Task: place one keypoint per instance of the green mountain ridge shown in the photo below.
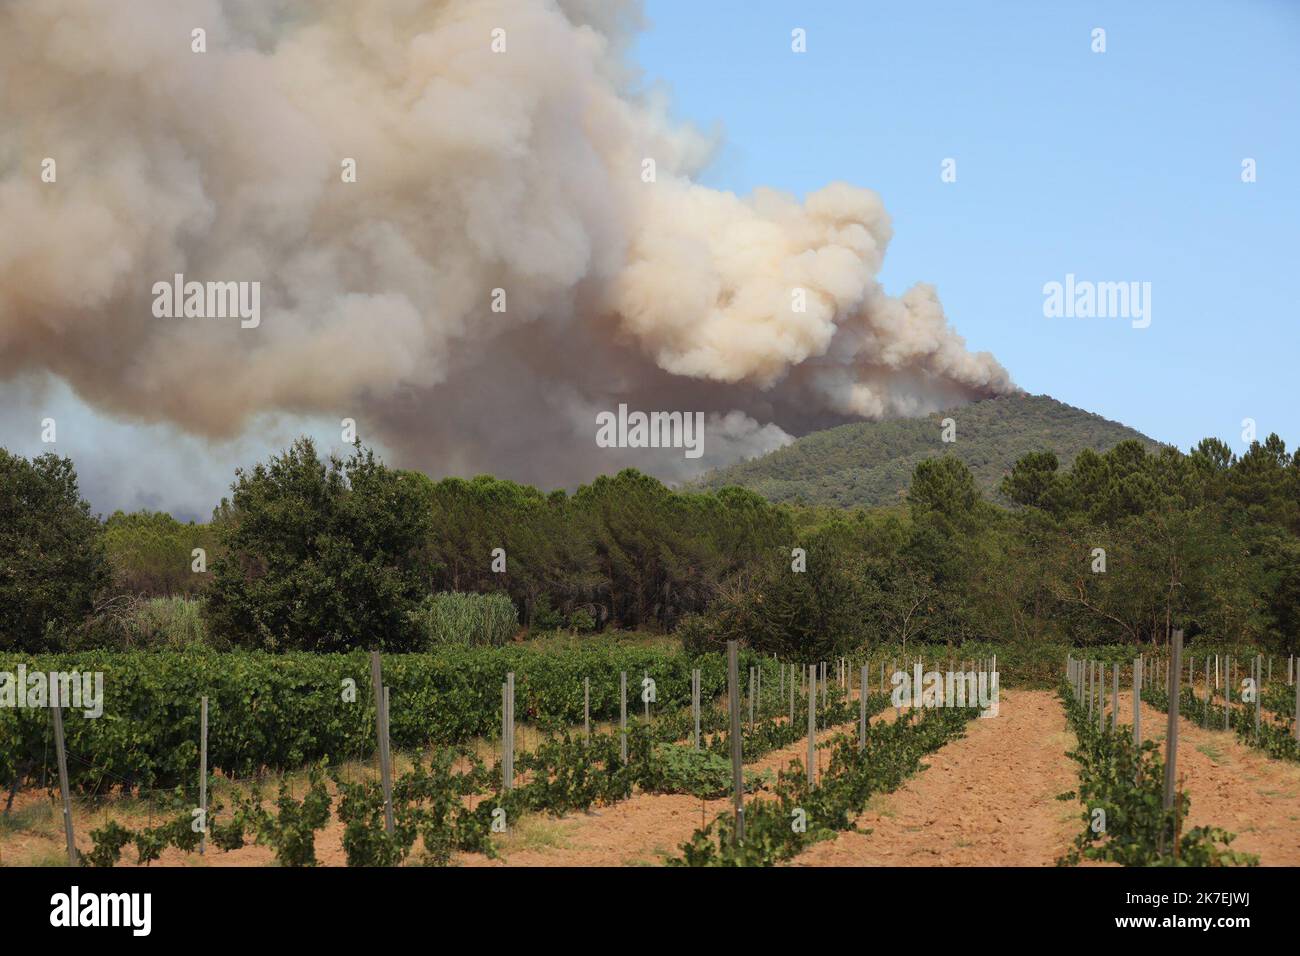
(871, 463)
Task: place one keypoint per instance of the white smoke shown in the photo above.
(477, 170)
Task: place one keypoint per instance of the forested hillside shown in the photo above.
(871, 463)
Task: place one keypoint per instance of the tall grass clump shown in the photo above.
(173, 623)
(131, 622)
(466, 620)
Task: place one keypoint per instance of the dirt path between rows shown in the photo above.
(644, 830)
(986, 799)
(1233, 786)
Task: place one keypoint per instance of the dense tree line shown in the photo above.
(333, 553)
(316, 553)
(1123, 546)
(151, 554)
(1208, 541)
(52, 558)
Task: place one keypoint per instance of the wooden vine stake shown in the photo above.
(1205, 716)
(1101, 699)
(1227, 697)
(381, 732)
(1100, 690)
(791, 693)
(56, 709)
(1259, 692)
(508, 754)
(622, 715)
(737, 744)
(1114, 701)
(812, 728)
(1295, 728)
(862, 711)
(1171, 734)
(1092, 671)
(203, 772)
(1137, 701)
(1178, 823)
(695, 705)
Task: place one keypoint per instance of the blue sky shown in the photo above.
(1115, 166)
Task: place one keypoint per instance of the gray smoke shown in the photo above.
(522, 171)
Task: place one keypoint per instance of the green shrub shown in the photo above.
(320, 555)
(546, 617)
(811, 615)
(466, 620)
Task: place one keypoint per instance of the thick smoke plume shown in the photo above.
(477, 170)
